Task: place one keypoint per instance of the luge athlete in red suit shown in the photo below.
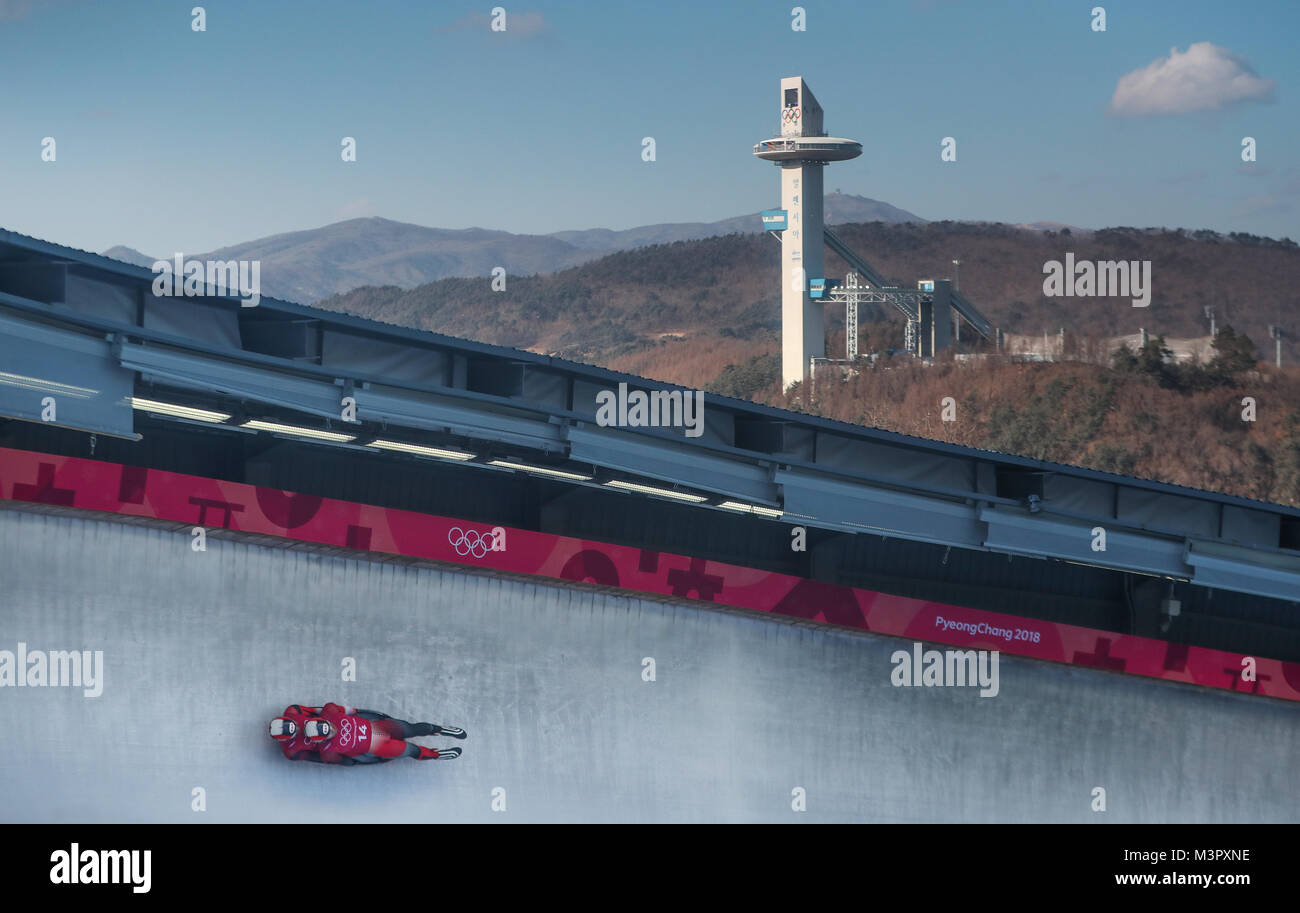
(337, 734)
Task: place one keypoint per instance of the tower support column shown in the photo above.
(803, 322)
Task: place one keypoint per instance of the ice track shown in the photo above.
(201, 649)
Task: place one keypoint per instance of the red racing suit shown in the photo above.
(299, 714)
(361, 737)
(352, 734)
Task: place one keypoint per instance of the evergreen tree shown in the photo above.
(1233, 352)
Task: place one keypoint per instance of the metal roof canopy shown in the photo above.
(823, 472)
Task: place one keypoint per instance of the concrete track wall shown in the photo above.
(201, 649)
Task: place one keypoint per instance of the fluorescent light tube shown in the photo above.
(199, 415)
(299, 432)
(750, 508)
(651, 490)
(541, 470)
(421, 450)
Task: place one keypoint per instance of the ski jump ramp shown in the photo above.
(202, 648)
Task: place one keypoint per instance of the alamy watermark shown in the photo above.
(946, 668)
(653, 409)
(1103, 279)
(179, 277)
(55, 669)
(77, 866)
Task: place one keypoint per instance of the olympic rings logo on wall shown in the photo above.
(468, 542)
(790, 115)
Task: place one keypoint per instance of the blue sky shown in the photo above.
(170, 139)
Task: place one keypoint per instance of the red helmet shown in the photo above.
(283, 729)
(317, 730)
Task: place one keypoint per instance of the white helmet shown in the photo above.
(283, 729)
(317, 730)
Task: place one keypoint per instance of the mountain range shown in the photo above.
(705, 312)
(306, 266)
(718, 300)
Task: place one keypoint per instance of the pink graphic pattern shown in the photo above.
(109, 487)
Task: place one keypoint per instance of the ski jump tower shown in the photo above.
(801, 152)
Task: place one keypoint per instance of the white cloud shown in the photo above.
(1205, 77)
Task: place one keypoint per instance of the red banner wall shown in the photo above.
(95, 485)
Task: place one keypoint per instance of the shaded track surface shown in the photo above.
(201, 649)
